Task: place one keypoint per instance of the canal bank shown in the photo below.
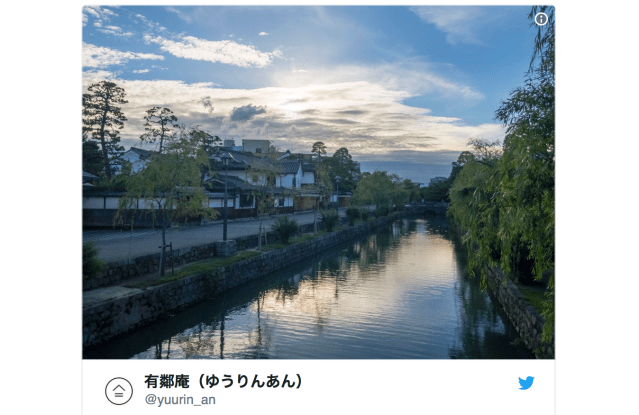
(524, 317)
(129, 309)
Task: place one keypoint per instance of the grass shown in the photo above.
(200, 267)
(214, 265)
(298, 239)
(534, 295)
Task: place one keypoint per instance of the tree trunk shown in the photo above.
(161, 270)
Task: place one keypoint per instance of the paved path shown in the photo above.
(116, 245)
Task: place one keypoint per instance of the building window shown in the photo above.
(246, 201)
(294, 181)
(281, 202)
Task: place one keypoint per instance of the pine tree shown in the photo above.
(102, 118)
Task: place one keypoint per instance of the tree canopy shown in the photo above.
(319, 148)
(382, 190)
(341, 164)
(160, 124)
(102, 119)
(169, 187)
(505, 201)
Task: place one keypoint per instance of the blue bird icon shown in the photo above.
(525, 384)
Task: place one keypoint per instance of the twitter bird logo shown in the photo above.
(525, 384)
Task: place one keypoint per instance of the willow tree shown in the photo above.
(102, 118)
(169, 187)
(505, 201)
(528, 165)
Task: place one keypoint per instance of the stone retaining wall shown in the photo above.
(118, 271)
(115, 317)
(524, 317)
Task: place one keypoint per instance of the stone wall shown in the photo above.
(115, 317)
(522, 315)
(119, 271)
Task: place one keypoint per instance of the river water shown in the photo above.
(399, 293)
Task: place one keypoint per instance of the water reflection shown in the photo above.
(397, 293)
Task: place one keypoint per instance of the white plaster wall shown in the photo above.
(308, 177)
(93, 202)
(112, 203)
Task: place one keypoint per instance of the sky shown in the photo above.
(402, 88)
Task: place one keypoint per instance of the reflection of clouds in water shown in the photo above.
(389, 295)
(351, 291)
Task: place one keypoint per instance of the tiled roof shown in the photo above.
(290, 167)
(140, 152)
(308, 167)
(87, 175)
(216, 185)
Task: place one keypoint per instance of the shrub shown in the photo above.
(330, 218)
(353, 214)
(91, 265)
(364, 214)
(285, 228)
(382, 211)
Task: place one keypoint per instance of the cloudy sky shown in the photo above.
(403, 88)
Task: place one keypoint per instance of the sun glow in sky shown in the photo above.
(403, 88)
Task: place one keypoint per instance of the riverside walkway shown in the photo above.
(117, 245)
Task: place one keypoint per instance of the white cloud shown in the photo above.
(366, 117)
(99, 12)
(263, 34)
(116, 32)
(180, 14)
(91, 11)
(462, 24)
(141, 71)
(93, 76)
(101, 57)
(224, 51)
(413, 78)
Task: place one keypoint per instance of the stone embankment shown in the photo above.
(117, 272)
(523, 316)
(114, 317)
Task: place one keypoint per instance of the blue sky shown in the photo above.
(403, 88)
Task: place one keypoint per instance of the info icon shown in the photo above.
(541, 19)
(118, 391)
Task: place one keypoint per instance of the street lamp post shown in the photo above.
(337, 179)
(226, 158)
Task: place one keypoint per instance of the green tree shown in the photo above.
(160, 124)
(412, 189)
(92, 161)
(505, 205)
(102, 119)
(169, 187)
(341, 164)
(343, 157)
(528, 166)
(319, 148)
(374, 189)
(440, 191)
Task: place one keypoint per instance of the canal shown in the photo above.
(399, 293)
